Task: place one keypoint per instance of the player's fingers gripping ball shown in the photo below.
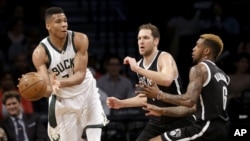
(32, 86)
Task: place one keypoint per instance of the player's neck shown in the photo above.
(147, 60)
(207, 58)
(57, 42)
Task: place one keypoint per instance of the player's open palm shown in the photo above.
(132, 62)
(113, 103)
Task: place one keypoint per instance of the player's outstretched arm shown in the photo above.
(116, 103)
(39, 59)
(167, 69)
(197, 77)
(177, 111)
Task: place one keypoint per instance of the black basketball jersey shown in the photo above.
(212, 103)
(175, 88)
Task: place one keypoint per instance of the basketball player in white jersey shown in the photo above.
(78, 109)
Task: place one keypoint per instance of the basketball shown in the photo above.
(32, 86)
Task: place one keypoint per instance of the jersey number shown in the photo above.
(224, 92)
(65, 76)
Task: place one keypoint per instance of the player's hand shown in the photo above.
(132, 62)
(152, 110)
(55, 86)
(19, 78)
(149, 91)
(54, 83)
(113, 103)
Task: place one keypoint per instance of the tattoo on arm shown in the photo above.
(196, 80)
(178, 111)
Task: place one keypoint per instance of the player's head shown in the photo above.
(208, 46)
(11, 100)
(148, 38)
(56, 22)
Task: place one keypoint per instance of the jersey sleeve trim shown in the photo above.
(49, 55)
(208, 76)
(73, 43)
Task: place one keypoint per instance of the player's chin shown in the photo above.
(63, 34)
(141, 52)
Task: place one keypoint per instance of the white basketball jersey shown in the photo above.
(62, 63)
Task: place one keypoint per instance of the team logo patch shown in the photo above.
(176, 133)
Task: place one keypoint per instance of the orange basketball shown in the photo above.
(32, 86)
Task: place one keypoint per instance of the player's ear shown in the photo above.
(207, 51)
(156, 41)
(47, 26)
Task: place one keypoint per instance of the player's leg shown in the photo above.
(93, 116)
(151, 130)
(200, 131)
(70, 127)
(68, 113)
(95, 119)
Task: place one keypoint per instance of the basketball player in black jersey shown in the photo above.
(157, 66)
(206, 97)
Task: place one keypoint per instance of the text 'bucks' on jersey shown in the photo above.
(62, 63)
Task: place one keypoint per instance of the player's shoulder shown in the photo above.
(40, 47)
(79, 35)
(80, 40)
(205, 64)
(200, 68)
(166, 55)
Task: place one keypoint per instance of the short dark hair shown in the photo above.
(51, 11)
(154, 29)
(10, 94)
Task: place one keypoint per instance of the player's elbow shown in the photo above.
(167, 82)
(80, 80)
(190, 103)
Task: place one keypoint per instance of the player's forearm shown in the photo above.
(73, 80)
(48, 79)
(180, 100)
(156, 77)
(133, 102)
(179, 111)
